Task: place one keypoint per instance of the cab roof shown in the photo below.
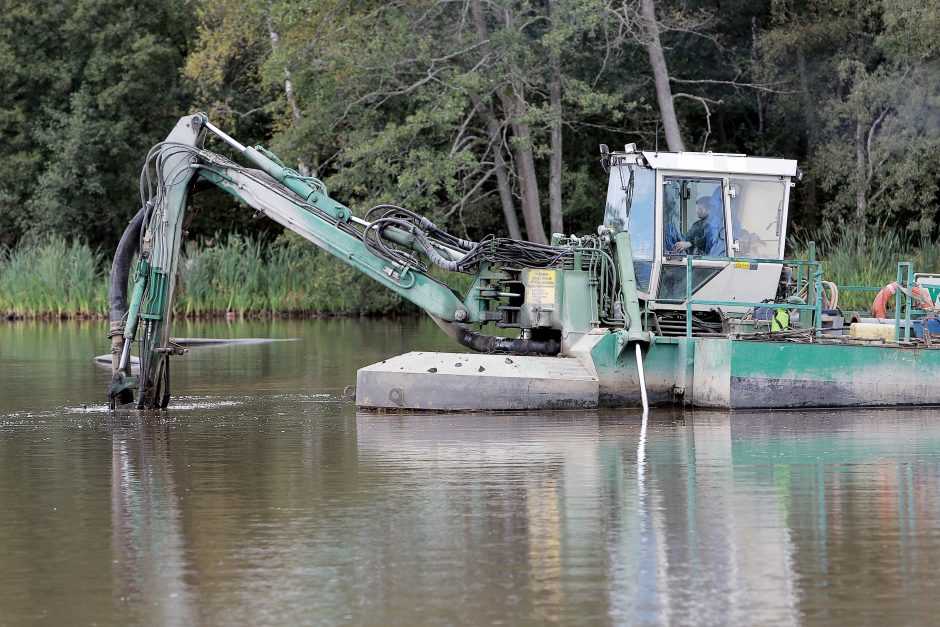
(718, 163)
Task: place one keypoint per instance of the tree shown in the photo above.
(866, 100)
(93, 85)
(484, 115)
(450, 108)
(660, 76)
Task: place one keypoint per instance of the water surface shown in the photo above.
(262, 497)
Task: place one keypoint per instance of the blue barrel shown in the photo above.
(933, 326)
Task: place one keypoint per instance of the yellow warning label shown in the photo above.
(541, 287)
(745, 265)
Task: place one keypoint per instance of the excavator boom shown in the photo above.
(395, 249)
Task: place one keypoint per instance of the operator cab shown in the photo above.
(721, 206)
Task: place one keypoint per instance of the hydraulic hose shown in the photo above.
(483, 343)
(117, 286)
(121, 268)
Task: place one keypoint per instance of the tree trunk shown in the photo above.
(503, 183)
(515, 108)
(554, 161)
(861, 181)
(493, 130)
(525, 168)
(505, 192)
(661, 77)
(810, 125)
(302, 166)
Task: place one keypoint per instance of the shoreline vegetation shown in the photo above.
(246, 278)
(232, 277)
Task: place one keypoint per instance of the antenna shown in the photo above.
(657, 138)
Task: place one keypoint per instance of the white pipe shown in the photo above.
(225, 137)
(641, 460)
(641, 446)
(639, 369)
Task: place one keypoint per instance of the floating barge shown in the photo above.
(683, 296)
(719, 372)
(707, 319)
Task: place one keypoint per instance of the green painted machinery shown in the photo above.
(660, 304)
(549, 293)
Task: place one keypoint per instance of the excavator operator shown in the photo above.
(697, 236)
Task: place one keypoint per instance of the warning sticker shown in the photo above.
(745, 265)
(934, 292)
(541, 289)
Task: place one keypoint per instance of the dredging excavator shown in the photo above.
(661, 305)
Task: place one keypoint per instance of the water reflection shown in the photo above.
(147, 543)
(736, 524)
(268, 499)
(590, 538)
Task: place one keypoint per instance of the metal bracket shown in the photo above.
(626, 337)
(172, 349)
(397, 396)
(120, 391)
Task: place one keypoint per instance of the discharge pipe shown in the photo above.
(631, 303)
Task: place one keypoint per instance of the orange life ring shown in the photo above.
(880, 306)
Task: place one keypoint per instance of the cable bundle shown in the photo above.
(526, 254)
(490, 249)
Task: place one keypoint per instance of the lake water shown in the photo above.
(262, 497)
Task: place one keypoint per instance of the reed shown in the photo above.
(52, 278)
(221, 279)
(848, 260)
(246, 277)
(241, 276)
(234, 275)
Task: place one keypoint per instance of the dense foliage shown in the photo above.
(484, 114)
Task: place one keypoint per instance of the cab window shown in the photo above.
(631, 201)
(694, 217)
(757, 217)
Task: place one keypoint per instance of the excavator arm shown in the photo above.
(395, 248)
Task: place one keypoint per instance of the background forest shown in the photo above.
(485, 115)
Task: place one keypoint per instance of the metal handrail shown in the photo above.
(858, 288)
(816, 307)
(904, 279)
(907, 302)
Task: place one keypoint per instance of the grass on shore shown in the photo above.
(874, 263)
(52, 278)
(55, 278)
(290, 276)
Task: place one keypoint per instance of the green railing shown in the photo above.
(814, 296)
(814, 299)
(815, 306)
(907, 302)
(906, 282)
(857, 288)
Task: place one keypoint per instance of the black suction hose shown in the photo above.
(483, 343)
(121, 267)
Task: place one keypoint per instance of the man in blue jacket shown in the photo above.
(697, 238)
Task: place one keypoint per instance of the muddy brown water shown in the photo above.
(262, 497)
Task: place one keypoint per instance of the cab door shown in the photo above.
(695, 221)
